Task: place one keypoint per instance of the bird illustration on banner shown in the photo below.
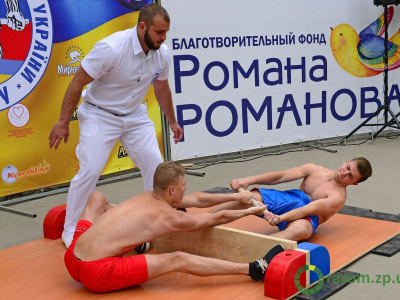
(362, 55)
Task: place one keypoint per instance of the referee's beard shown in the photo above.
(149, 42)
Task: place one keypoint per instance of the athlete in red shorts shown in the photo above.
(105, 234)
(106, 274)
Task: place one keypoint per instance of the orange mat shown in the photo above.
(36, 270)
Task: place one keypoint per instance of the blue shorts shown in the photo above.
(280, 202)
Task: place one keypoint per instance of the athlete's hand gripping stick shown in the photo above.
(255, 203)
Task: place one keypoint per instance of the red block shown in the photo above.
(279, 282)
(53, 224)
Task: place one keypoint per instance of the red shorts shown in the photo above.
(107, 274)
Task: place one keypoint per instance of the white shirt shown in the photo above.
(122, 71)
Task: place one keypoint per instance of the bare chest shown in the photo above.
(318, 188)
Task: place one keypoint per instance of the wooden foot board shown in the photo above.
(221, 242)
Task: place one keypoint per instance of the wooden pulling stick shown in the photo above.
(255, 203)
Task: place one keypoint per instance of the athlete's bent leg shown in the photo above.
(95, 206)
(297, 230)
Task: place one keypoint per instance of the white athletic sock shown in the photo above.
(67, 238)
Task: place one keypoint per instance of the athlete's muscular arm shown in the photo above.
(320, 207)
(72, 95)
(163, 94)
(201, 199)
(188, 222)
(15, 19)
(276, 177)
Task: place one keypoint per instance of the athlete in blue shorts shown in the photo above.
(280, 202)
(321, 194)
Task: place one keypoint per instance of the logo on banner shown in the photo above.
(74, 116)
(26, 44)
(122, 152)
(18, 115)
(362, 55)
(73, 56)
(10, 173)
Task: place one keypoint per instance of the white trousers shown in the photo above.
(99, 131)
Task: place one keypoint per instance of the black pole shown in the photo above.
(386, 62)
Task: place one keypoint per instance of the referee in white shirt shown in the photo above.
(118, 72)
